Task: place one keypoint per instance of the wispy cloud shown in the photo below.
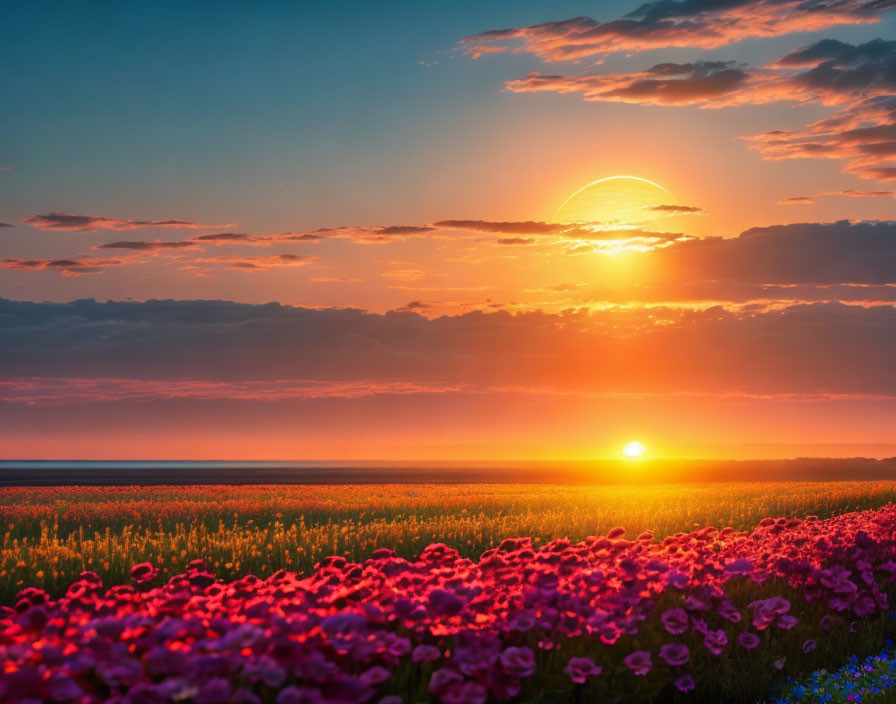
(668, 23)
(83, 223)
(258, 263)
(849, 193)
(67, 267)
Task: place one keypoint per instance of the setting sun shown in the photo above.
(616, 201)
(633, 449)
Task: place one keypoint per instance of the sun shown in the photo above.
(633, 449)
(616, 201)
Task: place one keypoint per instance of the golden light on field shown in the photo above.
(616, 201)
(633, 449)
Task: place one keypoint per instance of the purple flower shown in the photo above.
(518, 662)
(425, 653)
(580, 669)
(638, 662)
(675, 621)
(809, 646)
(685, 683)
(674, 654)
(786, 622)
(739, 566)
(715, 641)
(748, 640)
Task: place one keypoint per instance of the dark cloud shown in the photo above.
(667, 23)
(515, 240)
(664, 84)
(71, 221)
(67, 267)
(6, 224)
(673, 209)
(810, 253)
(797, 349)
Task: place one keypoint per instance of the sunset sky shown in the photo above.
(350, 230)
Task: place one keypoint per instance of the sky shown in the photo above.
(348, 230)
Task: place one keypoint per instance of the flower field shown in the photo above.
(661, 610)
(52, 534)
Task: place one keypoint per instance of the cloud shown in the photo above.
(808, 253)
(258, 263)
(54, 391)
(6, 224)
(687, 23)
(603, 351)
(148, 246)
(675, 209)
(703, 82)
(859, 79)
(67, 267)
(797, 200)
(863, 134)
(516, 240)
(849, 193)
(81, 223)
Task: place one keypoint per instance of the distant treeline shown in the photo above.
(593, 472)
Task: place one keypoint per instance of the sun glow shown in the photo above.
(633, 449)
(615, 201)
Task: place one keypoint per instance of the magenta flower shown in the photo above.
(674, 654)
(580, 669)
(638, 662)
(715, 641)
(685, 683)
(675, 621)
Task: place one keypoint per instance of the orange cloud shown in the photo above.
(689, 23)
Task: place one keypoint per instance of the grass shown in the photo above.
(51, 534)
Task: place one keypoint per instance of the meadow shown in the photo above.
(452, 593)
(52, 534)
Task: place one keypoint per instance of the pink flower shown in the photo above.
(638, 662)
(674, 654)
(144, 572)
(580, 669)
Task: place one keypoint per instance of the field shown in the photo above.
(413, 592)
(52, 534)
